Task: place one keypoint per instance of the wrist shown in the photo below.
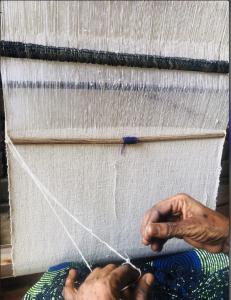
(225, 228)
(226, 245)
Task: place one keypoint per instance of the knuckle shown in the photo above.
(183, 199)
(96, 270)
(100, 285)
(112, 281)
(113, 265)
(154, 231)
(146, 215)
(150, 230)
(171, 229)
(183, 196)
(112, 277)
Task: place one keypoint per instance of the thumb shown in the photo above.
(71, 279)
(144, 286)
(168, 230)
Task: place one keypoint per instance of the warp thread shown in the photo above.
(47, 195)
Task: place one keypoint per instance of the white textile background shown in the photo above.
(194, 29)
(107, 190)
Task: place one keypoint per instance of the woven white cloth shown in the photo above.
(108, 189)
(194, 29)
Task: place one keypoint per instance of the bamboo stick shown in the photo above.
(136, 140)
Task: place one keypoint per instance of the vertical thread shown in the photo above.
(46, 193)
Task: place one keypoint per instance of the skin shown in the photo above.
(179, 216)
(183, 217)
(106, 284)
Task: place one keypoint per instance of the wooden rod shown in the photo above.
(124, 140)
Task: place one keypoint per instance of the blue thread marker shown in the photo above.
(130, 140)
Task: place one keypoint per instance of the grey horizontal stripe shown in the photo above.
(106, 86)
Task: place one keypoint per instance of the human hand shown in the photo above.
(183, 217)
(106, 284)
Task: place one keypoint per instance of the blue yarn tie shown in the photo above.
(129, 140)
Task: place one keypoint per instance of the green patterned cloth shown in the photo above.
(191, 275)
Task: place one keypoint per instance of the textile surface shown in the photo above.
(194, 29)
(192, 275)
(109, 188)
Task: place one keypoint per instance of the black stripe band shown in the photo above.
(33, 51)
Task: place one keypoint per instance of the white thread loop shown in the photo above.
(47, 195)
(42, 189)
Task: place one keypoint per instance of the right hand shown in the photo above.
(108, 283)
(183, 217)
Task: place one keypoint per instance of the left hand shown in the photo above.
(183, 217)
(106, 284)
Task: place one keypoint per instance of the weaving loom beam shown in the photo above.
(135, 140)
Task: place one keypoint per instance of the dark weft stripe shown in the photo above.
(34, 51)
(107, 86)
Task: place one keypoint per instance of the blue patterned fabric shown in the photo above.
(192, 275)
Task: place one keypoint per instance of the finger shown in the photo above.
(157, 244)
(144, 221)
(164, 230)
(183, 229)
(94, 274)
(124, 276)
(152, 215)
(144, 286)
(108, 269)
(171, 205)
(145, 242)
(127, 294)
(72, 275)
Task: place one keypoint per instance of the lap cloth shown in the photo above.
(191, 275)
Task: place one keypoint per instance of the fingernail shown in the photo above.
(149, 279)
(131, 267)
(150, 231)
(147, 232)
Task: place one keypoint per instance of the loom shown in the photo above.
(81, 78)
